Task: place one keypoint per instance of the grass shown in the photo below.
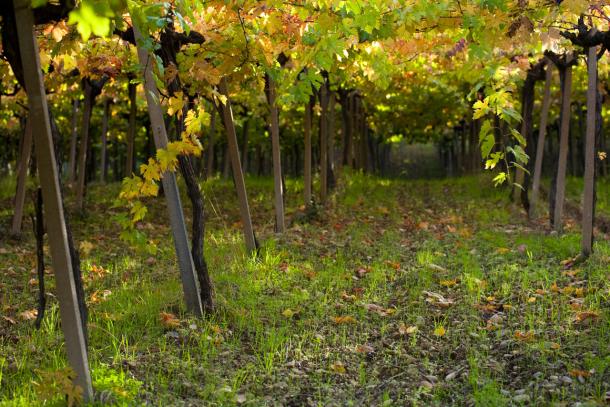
(344, 310)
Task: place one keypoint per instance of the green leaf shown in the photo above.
(519, 153)
(92, 17)
(519, 137)
(500, 178)
(486, 139)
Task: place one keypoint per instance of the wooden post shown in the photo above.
(104, 141)
(84, 145)
(331, 138)
(324, 141)
(73, 142)
(589, 176)
(170, 186)
(276, 155)
(131, 130)
(238, 175)
(210, 153)
(71, 324)
(563, 149)
(22, 177)
(544, 115)
(307, 153)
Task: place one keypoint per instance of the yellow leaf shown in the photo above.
(448, 283)
(28, 314)
(175, 104)
(524, 336)
(338, 368)
(587, 315)
(407, 330)
(576, 7)
(288, 313)
(344, 320)
(439, 331)
(169, 320)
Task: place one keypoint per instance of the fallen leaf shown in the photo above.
(310, 275)
(439, 331)
(347, 297)
(9, 319)
(407, 330)
(338, 368)
(28, 314)
(524, 336)
(437, 299)
(169, 320)
(448, 283)
(423, 225)
(380, 310)
(364, 349)
(344, 320)
(586, 315)
(579, 373)
(288, 313)
(393, 264)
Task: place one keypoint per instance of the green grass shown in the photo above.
(325, 314)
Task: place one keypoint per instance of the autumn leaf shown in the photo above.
(175, 104)
(579, 373)
(439, 331)
(448, 283)
(379, 310)
(364, 349)
(524, 336)
(437, 299)
(393, 264)
(288, 313)
(169, 320)
(423, 225)
(338, 368)
(28, 314)
(310, 275)
(403, 329)
(584, 316)
(347, 297)
(340, 320)
(9, 320)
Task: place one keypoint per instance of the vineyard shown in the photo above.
(304, 203)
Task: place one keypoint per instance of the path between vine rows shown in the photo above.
(395, 293)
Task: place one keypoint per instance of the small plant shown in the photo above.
(57, 383)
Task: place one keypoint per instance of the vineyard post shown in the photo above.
(170, 186)
(72, 327)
